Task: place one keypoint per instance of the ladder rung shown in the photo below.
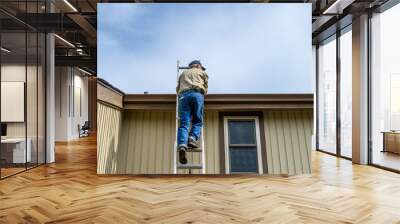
(189, 166)
(194, 150)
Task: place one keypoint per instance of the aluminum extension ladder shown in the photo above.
(201, 150)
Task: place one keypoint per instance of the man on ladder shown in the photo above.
(192, 85)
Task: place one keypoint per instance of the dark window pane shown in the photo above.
(242, 132)
(243, 159)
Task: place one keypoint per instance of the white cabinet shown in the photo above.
(19, 155)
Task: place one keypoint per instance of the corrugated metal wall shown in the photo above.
(147, 140)
(288, 141)
(109, 122)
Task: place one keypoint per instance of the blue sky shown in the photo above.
(246, 48)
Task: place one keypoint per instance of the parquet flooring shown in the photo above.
(70, 191)
(10, 171)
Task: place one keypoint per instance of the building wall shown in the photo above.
(288, 141)
(34, 125)
(92, 103)
(109, 125)
(12, 73)
(108, 95)
(61, 103)
(71, 102)
(146, 142)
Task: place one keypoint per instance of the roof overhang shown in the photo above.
(221, 101)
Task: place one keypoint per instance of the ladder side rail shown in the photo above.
(176, 120)
(203, 149)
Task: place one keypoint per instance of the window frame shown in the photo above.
(333, 37)
(258, 142)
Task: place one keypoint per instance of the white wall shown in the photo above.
(81, 102)
(61, 103)
(16, 73)
(33, 126)
(71, 103)
(12, 99)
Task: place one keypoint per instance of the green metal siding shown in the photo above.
(288, 141)
(147, 140)
(109, 123)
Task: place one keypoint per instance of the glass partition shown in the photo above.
(22, 77)
(13, 94)
(327, 96)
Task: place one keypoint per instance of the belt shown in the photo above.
(192, 90)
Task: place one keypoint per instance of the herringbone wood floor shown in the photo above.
(69, 191)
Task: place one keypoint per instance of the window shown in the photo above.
(385, 89)
(327, 96)
(242, 145)
(334, 101)
(346, 75)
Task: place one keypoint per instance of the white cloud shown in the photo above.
(245, 49)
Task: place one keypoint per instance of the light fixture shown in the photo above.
(64, 40)
(84, 71)
(80, 51)
(70, 5)
(338, 6)
(5, 50)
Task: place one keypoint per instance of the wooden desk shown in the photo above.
(13, 150)
(391, 141)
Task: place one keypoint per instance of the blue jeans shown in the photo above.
(191, 105)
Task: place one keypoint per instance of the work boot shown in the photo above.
(193, 143)
(182, 154)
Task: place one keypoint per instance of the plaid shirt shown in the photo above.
(193, 78)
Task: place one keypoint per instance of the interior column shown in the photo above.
(360, 90)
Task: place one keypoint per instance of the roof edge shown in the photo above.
(221, 98)
(222, 101)
(109, 86)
